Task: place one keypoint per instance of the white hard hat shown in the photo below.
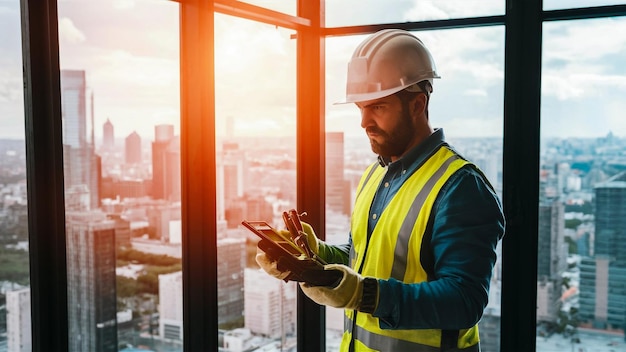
(385, 63)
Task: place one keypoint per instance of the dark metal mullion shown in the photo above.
(198, 176)
(311, 158)
(522, 96)
(469, 22)
(585, 13)
(44, 174)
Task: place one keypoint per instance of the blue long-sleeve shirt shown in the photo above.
(467, 223)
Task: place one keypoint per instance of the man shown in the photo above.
(426, 221)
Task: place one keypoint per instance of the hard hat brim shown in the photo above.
(356, 98)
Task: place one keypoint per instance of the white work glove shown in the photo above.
(311, 238)
(347, 294)
(269, 266)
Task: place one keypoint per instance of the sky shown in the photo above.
(129, 50)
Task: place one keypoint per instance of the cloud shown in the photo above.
(424, 10)
(129, 70)
(583, 41)
(69, 33)
(566, 85)
(582, 58)
(131, 60)
(475, 92)
(10, 86)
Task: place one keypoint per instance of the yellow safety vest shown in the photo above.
(394, 251)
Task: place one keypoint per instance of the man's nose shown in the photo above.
(366, 119)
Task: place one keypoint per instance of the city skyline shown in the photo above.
(130, 78)
(559, 153)
(136, 79)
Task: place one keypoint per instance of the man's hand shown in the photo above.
(347, 294)
(269, 265)
(311, 238)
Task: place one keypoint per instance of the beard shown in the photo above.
(395, 142)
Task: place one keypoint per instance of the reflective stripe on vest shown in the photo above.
(383, 343)
(397, 238)
(402, 245)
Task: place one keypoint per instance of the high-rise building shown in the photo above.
(490, 164)
(74, 108)
(162, 160)
(489, 325)
(270, 304)
(108, 136)
(172, 170)
(602, 276)
(132, 148)
(489, 330)
(18, 320)
(231, 261)
(232, 167)
(160, 216)
(113, 188)
(551, 246)
(91, 286)
(171, 306)
(610, 219)
(80, 164)
(251, 207)
(548, 300)
(337, 189)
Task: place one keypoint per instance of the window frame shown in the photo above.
(46, 207)
(44, 175)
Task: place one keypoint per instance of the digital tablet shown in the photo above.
(291, 257)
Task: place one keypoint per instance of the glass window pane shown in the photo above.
(582, 209)
(362, 12)
(15, 322)
(467, 102)
(255, 79)
(120, 116)
(288, 7)
(571, 4)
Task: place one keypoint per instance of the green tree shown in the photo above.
(572, 223)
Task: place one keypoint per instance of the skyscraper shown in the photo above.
(602, 276)
(172, 170)
(610, 218)
(108, 136)
(337, 189)
(171, 306)
(270, 304)
(160, 217)
(163, 135)
(91, 286)
(231, 261)
(80, 164)
(132, 148)
(233, 164)
(18, 320)
(551, 246)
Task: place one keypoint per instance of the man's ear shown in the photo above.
(418, 104)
